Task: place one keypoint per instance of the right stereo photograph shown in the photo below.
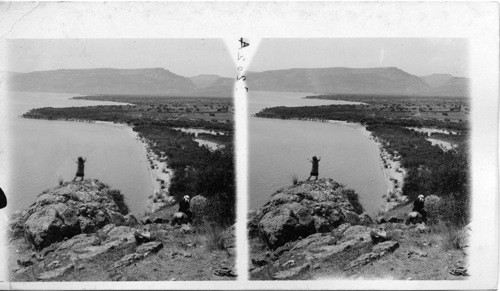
(359, 159)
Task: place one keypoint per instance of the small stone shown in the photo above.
(389, 246)
(260, 261)
(24, 262)
(48, 250)
(291, 273)
(288, 264)
(150, 247)
(421, 228)
(142, 236)
(20, 271)
(146, 220)
(280, 250)
(225, 271)
(128, 260)
(56, 272)
(378, 235)
(186, 228)
(54, 264)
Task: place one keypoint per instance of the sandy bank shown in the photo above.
(160, 178)
(158, 169)
(394, 176)
(390, 165)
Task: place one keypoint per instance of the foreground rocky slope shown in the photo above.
(315, 230)
(81, 231)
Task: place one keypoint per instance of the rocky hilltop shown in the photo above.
(82, 231)
(317, 230)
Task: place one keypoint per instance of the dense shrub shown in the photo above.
(119, 200)
(215, 234)
(433, 208)
(199, 209)
(354, 200)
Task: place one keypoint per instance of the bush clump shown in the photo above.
(119, 200)
(354, 200)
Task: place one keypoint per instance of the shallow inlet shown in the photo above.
(279, 149)
(41, 152)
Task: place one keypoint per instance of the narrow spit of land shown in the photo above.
(434, 251)
(154, 119)
(150, 247)
(389, 120)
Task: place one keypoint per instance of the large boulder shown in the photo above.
(285, 224)
(70, 209)
(52, 223)
(303, 209)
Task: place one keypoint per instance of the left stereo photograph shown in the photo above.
(121, 160)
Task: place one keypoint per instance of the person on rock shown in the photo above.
(418, 206)
(184, 206)
(80, 170)
(315, 168)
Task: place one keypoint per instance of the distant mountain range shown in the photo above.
(118, 81)
(388, 80)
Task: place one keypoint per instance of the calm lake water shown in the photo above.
(279, 149)
(41, 151)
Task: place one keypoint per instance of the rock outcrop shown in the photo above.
(304, 209)
(68, 210)
(313, 225)
(81, 230)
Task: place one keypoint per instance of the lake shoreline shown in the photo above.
(390, 166)
(394, 174)
(158, 169)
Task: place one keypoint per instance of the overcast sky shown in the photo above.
(186, 57)
(417, 56)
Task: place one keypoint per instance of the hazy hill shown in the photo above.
(204, 80)
(436, 80)
(389, 80)
(455, 86)
(102, 81)
(338, 80)
(221, 85)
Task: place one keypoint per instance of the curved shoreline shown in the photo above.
(158, 170)
(390, 166)
(394, 174)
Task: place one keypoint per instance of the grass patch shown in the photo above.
(453, 237)
(215, 236)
